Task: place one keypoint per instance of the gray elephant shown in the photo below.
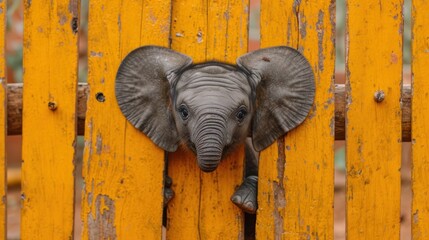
(212, 107)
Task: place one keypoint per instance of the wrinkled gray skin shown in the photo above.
(212, 107)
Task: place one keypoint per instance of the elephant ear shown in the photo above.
(283, 82)
(143, 84)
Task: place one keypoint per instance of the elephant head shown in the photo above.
(211, 107)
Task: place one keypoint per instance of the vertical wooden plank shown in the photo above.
(420, 120)
(373, 129)
(201, 209)
(296, 173)
(3, 121)
(123, 169)
(49, 118)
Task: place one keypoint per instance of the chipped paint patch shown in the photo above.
(63, 19)
(312, 112)
(289, 32)
(96, 54)
(99, 144)
(199, 36)
(295, 5)
(226, 15)
(302, 25)
(332, 126)
(279, 189)
(73, 7)
(320, 36)
(394, 58)
(416, 217)
(101, 226)
(119, 22)
(153, 18)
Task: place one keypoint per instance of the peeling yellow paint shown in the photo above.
(201, 30)
(305, 176)
(3, 121)
(122, 168)
(373, 130)
(48, 136)
(103, 207)
(420, 121)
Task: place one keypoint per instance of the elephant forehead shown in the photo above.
(215, 77)
(212, 98)
(213, 95)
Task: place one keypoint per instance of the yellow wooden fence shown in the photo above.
(123, 170)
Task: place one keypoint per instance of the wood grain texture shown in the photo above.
(49, 136)
(373, 129)
(14, 108)
(296, 173)
(420, 121)
(201, 208)
(3, 121)
(123, 169)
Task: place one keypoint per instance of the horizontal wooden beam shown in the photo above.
(14, 115)
(14, 108)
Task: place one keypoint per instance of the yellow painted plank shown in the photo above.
(374, 63)
(49, 118)
(3, 121)
(296, 173)
(123, 169)
(201, 208)
(3, 185)
(420, 121)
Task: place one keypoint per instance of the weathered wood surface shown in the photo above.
(420, 121)
(50, 52)
(296, 179)
(207, 30)
(373, 129)
(122, 169)
(14, 106)
(3, 121)
(3, 185)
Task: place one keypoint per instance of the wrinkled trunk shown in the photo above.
(209, 143)
(209, 157)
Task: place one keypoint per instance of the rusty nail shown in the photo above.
(379, 96)
(52, 106)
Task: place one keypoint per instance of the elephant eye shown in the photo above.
(241, 114)
(183, 111)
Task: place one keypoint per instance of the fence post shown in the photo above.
(3, 120)
(201, 209)
(49, 118)
(373, 119)
(420, 117)
(296, 182)
(122, 168)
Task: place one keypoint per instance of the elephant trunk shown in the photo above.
(209, 143)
